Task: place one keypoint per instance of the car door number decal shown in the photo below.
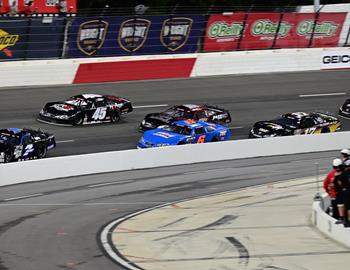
(100, 113)
(310, 130)
(201, 139)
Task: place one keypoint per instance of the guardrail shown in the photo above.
(326, 224)
(130, 68)
(59, 167)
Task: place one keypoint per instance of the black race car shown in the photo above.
(186, 112)
(297, 123)
(24, 144)
(85, 109)
(344, 110)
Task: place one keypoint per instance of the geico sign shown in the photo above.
(336, 59)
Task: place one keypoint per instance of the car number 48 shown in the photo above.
(100, 113)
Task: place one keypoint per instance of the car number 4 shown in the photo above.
(100, 113)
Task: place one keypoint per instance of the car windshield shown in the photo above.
(287, 121)
(76, 101)
(177, 112)
(178, 129)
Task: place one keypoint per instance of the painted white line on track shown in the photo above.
(323, 95)
(74, 204)
(150, 106)
(67, 141)
(23, 197)
(236, 127)
(109, 183)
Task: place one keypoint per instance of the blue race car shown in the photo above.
(184, 132)
(24, 144)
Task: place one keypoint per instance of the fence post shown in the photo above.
(28, 38)
(313, 29)
(246, 16)
(347, 38)
(277, 30)
(66, 38)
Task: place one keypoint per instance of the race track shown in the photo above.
(249, 98)
(55, 224)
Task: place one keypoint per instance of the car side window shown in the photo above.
(307, 122)
(100, 103)
(200, 115)
(199, 131)
(210, 129)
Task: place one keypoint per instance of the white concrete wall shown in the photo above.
(246, 62)
(168, 156)
(326, 224)
(52, 72)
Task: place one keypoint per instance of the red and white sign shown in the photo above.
(37, 6)
(272, 30)
(223, 32)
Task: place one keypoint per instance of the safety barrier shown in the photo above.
(51, 168)
(326, 224)
(129, 68)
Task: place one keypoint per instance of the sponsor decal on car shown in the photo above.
(163, 135)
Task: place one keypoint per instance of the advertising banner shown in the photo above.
(325, 33)
(13, 38)
(46, 38)
(260, 31)
(295, 30)
(112, 36)
(223, 33)
(339, 59)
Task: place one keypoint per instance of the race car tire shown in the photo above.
(325, 130)
(78, 121)
(215, 139)
(181, 143)
(42, 152)
(115, 116)
(8, 157)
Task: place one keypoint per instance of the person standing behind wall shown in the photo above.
(328, 185)
(62, 7)
(342, 186)
(345, 154)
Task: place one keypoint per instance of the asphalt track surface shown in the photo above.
(249, 98)
(55, 224)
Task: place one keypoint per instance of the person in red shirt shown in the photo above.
(328, 185)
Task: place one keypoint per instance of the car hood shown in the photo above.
(160, 118)
(61, 108)
(159, 136)
(3, 146)
(269, 128)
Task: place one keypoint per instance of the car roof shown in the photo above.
(190, 123)
(87, 96)
(297, 115)
(190, 107)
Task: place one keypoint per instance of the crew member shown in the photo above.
(328, 185)
(345, 154)
(341, 186)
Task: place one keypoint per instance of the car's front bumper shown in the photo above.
(54, 120)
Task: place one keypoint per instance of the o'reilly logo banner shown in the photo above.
(225, 30)
(339, 59)
(267, 27)
(247, 31)
(323, 29)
